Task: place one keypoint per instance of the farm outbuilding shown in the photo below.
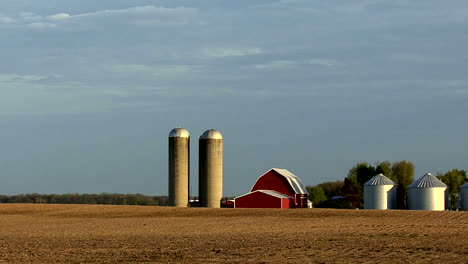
(275, 185)
(264, 199)
(464, 197)
(427, 193)
(379, 193)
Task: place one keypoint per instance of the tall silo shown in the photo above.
(427, 193)
(379, 193)
(179, 163)
(210, 168)
(464, 197)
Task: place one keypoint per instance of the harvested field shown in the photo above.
(109, 234)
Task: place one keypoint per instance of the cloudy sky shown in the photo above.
(89, 90)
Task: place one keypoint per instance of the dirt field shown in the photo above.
(109, 234)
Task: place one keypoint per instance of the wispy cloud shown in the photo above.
(6, 20)
(166, 71)
(212, 53)
(138, 15)
(29, 17)
(59, 17)
(283, 64)
(20, 78)
(143, 10)
(323, 62)
(276, 65)
(39, 25)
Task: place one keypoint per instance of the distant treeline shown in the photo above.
(75, 198)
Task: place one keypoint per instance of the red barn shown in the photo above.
(275, 185)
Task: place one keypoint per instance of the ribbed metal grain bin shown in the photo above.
(464, 197)
(379, 193)
(427, 193)
(211, 168)
(179, 162)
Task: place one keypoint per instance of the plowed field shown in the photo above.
(109, 234)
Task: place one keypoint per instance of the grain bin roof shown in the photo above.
(379, 180)
(464, 185)
(295, 182)
(427, 181)
(179, 132)
(211, 134)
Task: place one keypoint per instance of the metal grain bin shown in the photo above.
(379, 193)
(427, 193)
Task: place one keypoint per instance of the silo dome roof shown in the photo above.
(427, 181)
(211, 134)
(464, 185)
(379, 180)
(179, 132)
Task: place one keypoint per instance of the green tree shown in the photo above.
(384, 167)
(362, 172)
(332, 188)
(316, 194)
(402, 174)
(454, 180)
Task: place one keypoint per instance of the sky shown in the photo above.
(89, 90)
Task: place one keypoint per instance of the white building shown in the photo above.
(427, 193)
(380, 193)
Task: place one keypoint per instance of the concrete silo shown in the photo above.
(179, 162)
(427, 193)
(210, 168)
(379, 193)
(464, 197)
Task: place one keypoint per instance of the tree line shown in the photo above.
(75, 198)
(349, 193)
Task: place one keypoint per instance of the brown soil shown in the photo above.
(109, 234)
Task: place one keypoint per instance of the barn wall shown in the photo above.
(287, 203)
(258, 200)
(275, 182)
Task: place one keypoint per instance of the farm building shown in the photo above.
(277, 188)
(264, 199)
(379, 193)
(427, 193)
(464, 197)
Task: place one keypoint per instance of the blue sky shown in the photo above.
(91, 89)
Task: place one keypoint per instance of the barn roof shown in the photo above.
(294, 181)
(379, 180)
(464, 185)
(427, 181)
(269, 192)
